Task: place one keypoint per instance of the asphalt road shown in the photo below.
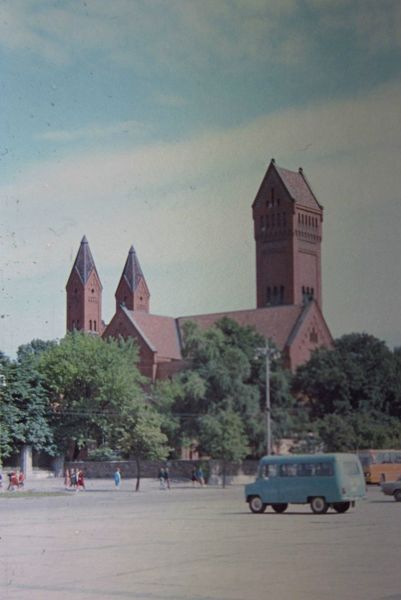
(193, 544)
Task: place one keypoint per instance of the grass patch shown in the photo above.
(31, 494)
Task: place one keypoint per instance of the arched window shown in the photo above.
(268, 295)
(94, 326)
(90, 324)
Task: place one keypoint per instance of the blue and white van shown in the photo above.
(321, 480)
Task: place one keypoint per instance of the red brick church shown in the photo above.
(288, 234)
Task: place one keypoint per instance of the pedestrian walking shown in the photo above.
(74, 478)
(117, 478)
(199, 476)
(193, 477)
(166, 477)
(80, 480)
(12, 481)
(162, 479)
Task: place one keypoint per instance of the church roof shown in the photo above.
(298, 187)
(132, 272)
(273, 322)
(84, 263)
(160, 333)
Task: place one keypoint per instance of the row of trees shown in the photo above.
(87, 393)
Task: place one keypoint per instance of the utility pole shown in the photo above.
(268, 407)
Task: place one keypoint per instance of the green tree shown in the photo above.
(24, 409)
(7, 413)
(357, 374)
(352, 393)
(222, 436)
(227, 368)
(139, 435)
(90, 383)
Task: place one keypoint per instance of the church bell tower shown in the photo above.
(132, 291)
(288, 233)
(84, 294)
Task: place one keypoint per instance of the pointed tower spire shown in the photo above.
(84, 263)
(84, 293)
(132, 291)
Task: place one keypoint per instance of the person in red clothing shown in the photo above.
(80, 480)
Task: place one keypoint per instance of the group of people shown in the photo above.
(74, 479)
(16, 480)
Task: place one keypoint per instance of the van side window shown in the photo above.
(306, 470)
(269, 471)
(324, 469)
(288, 470)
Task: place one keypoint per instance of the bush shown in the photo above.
(103, 454)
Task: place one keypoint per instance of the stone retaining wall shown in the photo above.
(179, 469)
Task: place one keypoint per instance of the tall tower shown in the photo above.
(132, 290)
(288, 233)
(84, 293)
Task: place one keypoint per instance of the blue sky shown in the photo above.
(152, 123)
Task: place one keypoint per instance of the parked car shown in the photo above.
(392, 488)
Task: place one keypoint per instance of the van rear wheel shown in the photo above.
(319, 505)
(279, 508)
(341, 507)
(397, 496)
(256, 505)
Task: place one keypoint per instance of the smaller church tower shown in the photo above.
(132, 291)
(84, 293)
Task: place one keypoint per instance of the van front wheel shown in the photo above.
(319, 505)
(279, 508)
(256, 505)
(341, 507)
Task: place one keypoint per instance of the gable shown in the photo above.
(310, 332)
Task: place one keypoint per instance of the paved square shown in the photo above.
(193, 544)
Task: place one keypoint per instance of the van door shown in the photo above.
(289, 484)
(269, 483)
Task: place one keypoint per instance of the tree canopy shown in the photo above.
(352, 393)
(90, 383)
